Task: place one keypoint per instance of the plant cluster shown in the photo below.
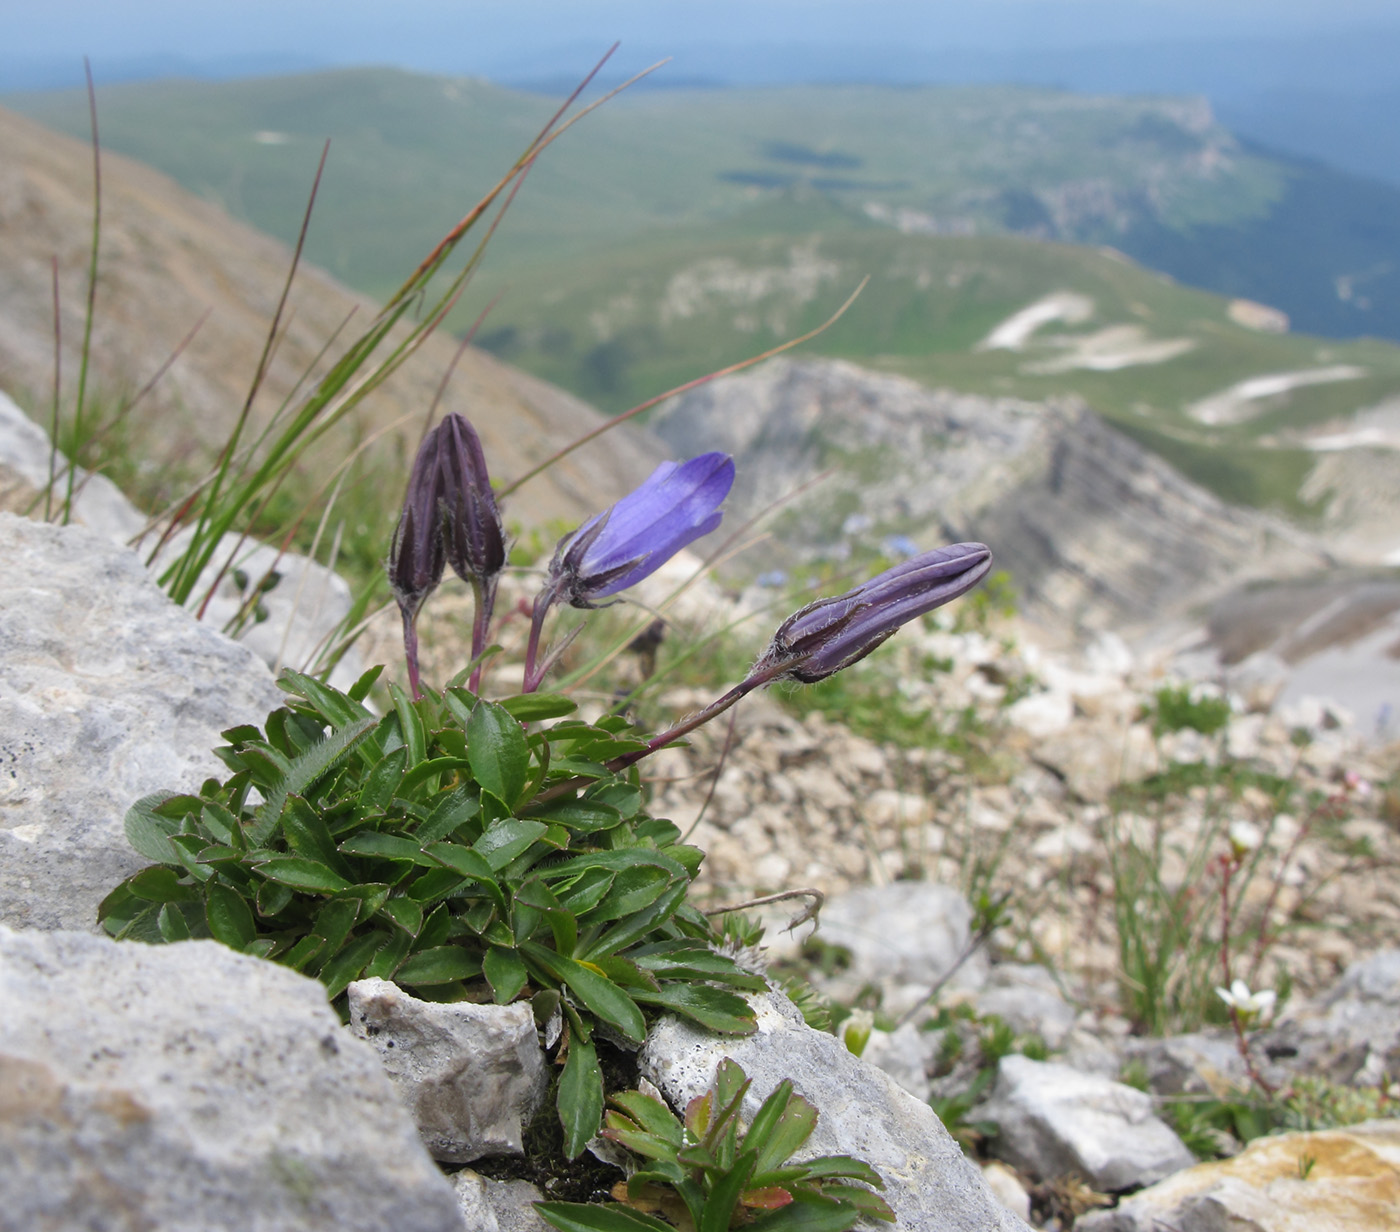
(710, 1173)
(491, 850)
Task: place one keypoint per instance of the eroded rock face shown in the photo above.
(929, 1183)
(187, 1088)
(107, 692)
(1097, 531)
(1303, 1182)
(1053, 1120)
(471, 1075)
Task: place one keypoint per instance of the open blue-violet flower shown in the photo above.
(830, 634)
(617, 548)
(449, 517)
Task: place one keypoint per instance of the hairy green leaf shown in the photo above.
(230, 919)
(598, 993)
(580, 1095)
(497, 750)
(148, 832)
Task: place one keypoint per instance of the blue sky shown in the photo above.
(492, 36)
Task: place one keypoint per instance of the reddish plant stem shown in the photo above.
(1228, 864)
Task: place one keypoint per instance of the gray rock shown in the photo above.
(187, 1088)
(1203, 1062)
(911, 932)
(107, 692)
(1352, 1033)
(1026, 997)
(471, 1075)
(903, 1054)
(97, 502)
(1053, 1120)
(1324, 1181)
(930, 1184)
(497, 1206)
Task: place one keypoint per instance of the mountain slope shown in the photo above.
(167, 259)
(1158, 177)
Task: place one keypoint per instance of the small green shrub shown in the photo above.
(709, 1173)
(449, 847)
(1179, 708)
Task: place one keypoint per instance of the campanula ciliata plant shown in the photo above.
(499, 850)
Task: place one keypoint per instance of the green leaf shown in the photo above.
(406, 913)
(532, 707)
(586, 890)
(360, 689)
(273, 898)
(626, 931)
(332, 705)
(346, 966)
(390, 955)
(793, 1128)
(148, 832)
(580, 1096)
(586, 1217)
(842, 1166)
(386, 847)
(724, 1196)
(534, 898)
(302, 773)
(301, 874)
(335, 920)
(498, 751)
(308, 836)
(505, 972)
(462, 860)
(444, 964)
(411, 729)
(652, 1115)
(598, 993)
(172, 924)
(424, 771)
(505, 840)
(434, 884)
(807, 1213)
(304, 952)
(221, 825)
(583, 816)
(450, 812)
(161, 885)
(230, 919)
(721, 1011)
(381, 784)
(633, 890)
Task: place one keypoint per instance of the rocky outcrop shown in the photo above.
(1301, 1182)
(107, 692)
(472, 1075)
(929, 1183)
(186, 1087)
(1096, 531)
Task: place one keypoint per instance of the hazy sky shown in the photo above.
(491, 36)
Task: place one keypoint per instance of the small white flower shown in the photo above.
(1245, 837)
(1248, 1005)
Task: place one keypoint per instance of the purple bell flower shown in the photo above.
(830, 634)
(619, 547)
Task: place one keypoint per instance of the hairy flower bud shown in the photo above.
(830, 634)
(418, 554)
(474, 538)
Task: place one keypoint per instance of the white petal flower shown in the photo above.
(1245, 837)
(1248, 1005)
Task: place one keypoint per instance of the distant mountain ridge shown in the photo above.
(1097, 533)
(1157, 177)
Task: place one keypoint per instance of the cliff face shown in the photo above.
(1097, 532)
(168, 258)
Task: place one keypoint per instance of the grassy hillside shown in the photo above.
(675, 231)
(1141, 349)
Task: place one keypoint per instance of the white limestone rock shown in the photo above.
(1053, 1120)
(187, 1088)
(929, 1183)
(107, 692)
(471, 1075)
